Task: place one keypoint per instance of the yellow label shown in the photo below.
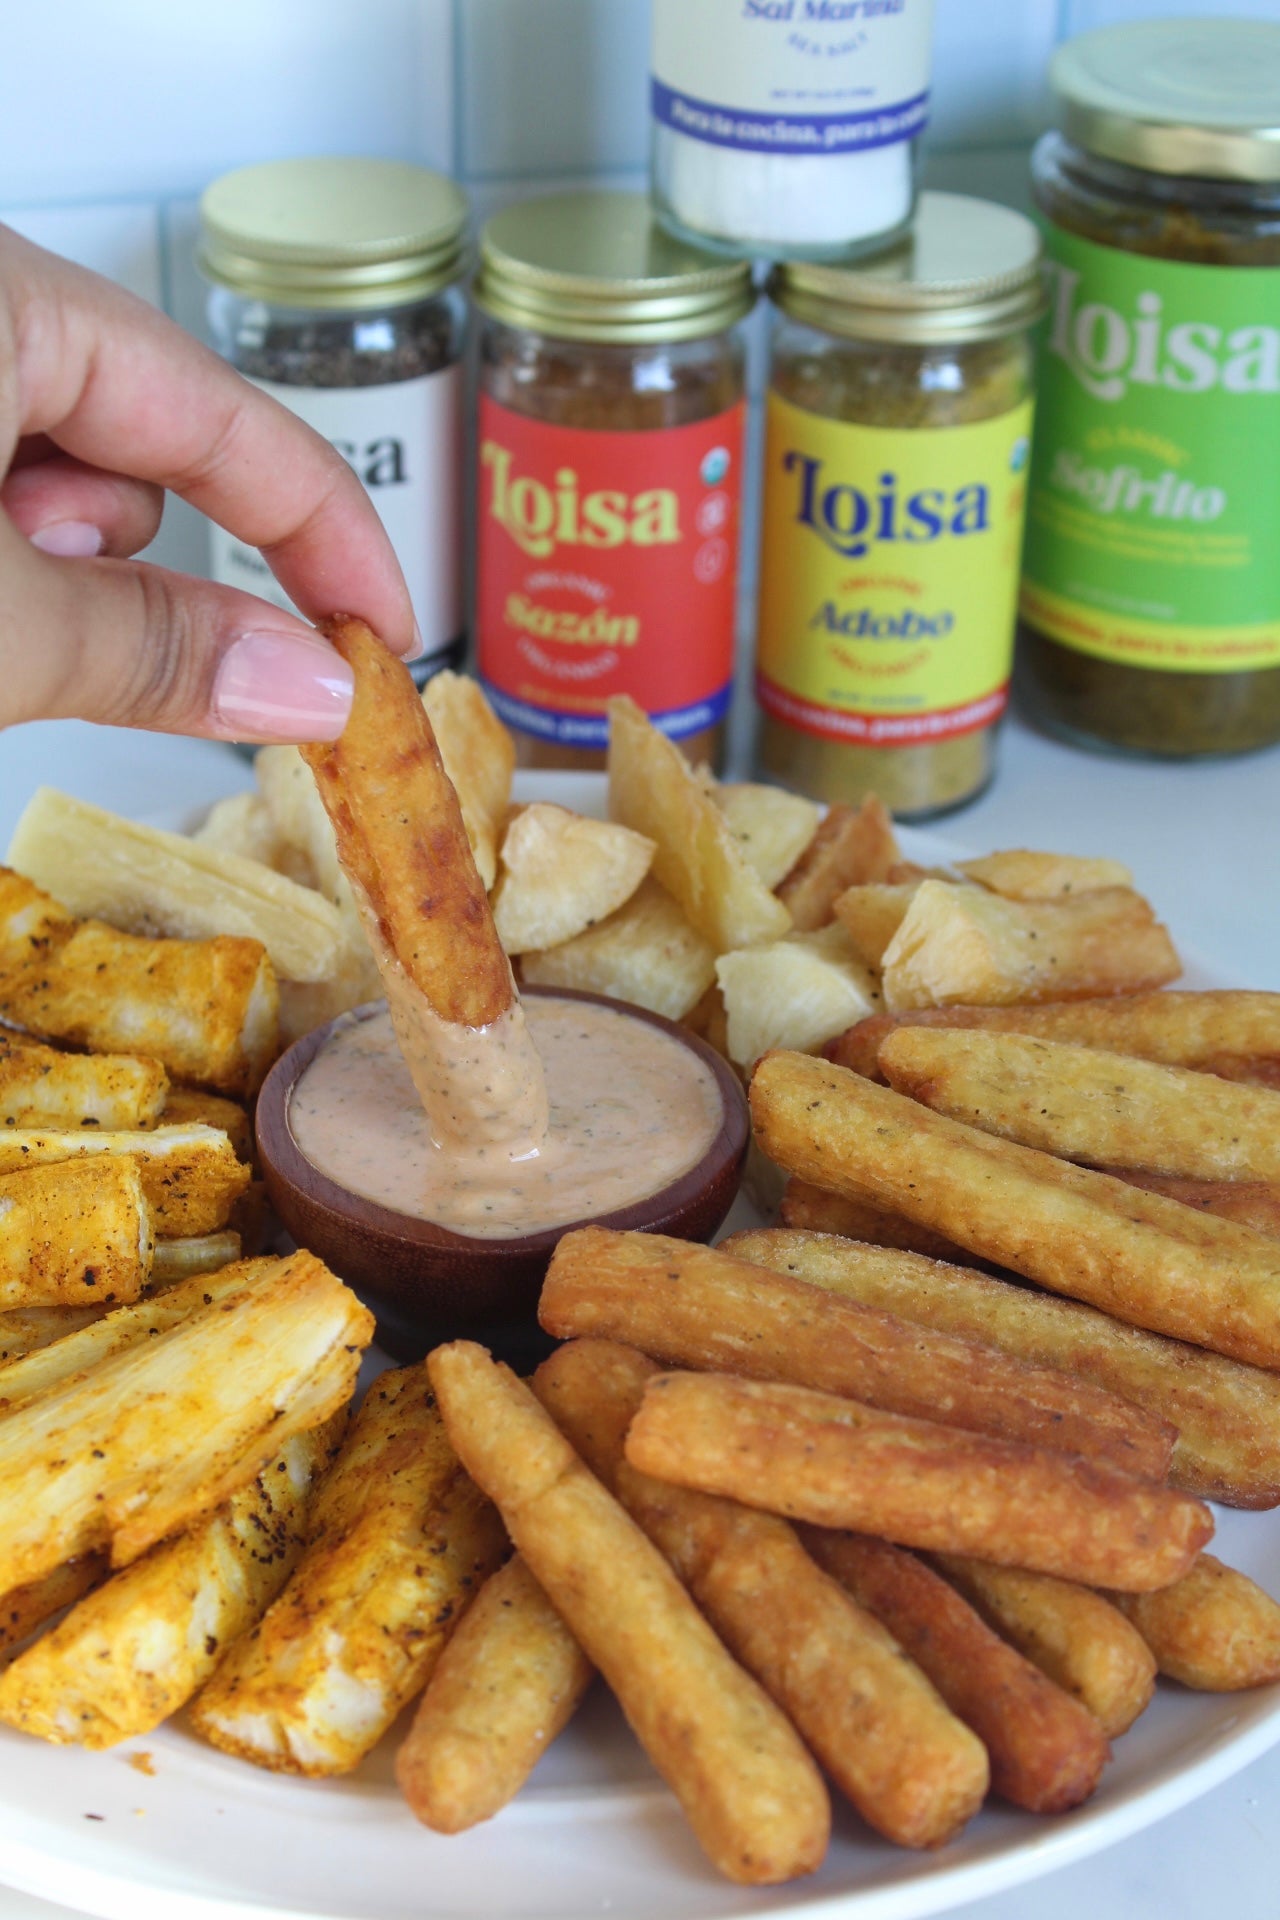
(889, 574)
(1136, 642)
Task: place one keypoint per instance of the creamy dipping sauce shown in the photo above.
(631, 1110)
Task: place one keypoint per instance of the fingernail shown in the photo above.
(419, 646)
(283, 687)
(69, 540)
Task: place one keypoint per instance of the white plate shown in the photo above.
(165, 1828)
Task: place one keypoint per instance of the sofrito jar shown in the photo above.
(609, 472)
(335, 289)
(1151, 598)
(898, 429)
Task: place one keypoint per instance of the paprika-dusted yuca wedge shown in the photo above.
(158, 1435)
(1227, 1415)
(191, 1176)
(1139, 1256)
(26, 1329)
(76, 1233)
(837, 1463)
(879, 1729)
(400, 1543)
(1215, 1629)
(193, 1106)
(404, 849)
(751, 1793)
(42, 1087)
(23, 1609)
(689, 1305)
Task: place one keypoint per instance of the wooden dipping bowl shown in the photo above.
(426, 1284)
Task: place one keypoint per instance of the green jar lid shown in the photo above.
(597, 266)
(332, 232)
(1194, 97)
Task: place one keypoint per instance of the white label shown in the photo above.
(808, 78)
(403, 441)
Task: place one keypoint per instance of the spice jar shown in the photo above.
(609, 474)
(898, 424)
(335, 290)
(1151, 594)
(788, 126)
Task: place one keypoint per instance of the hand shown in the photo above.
(104, 404)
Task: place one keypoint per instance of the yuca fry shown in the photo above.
(870, 1717)
(871, 915)
(1021, 875)
(25, 1608)
(75, 1232)
(807, 1207)
(26, 1329)
(1233, 1034)
(1215, 1629)
(773, 827)
(562, 873)
(695, 1306)
(646, 953)
(479, 757)
(796, 992)
(837, 1463)
(1100, 1108)
(853, 846)
(1046, 1750)
(190, 1175)
(43, 1087)
(506, 1684)
(751, 1793)
(1227, 1415)
(243, 824)
(199, 1253)
(405, 850)
(1144, 1259)
(192, 1106)
(1252, 1203)
(139, 1646)
(155, 1437)
(1083, 1643)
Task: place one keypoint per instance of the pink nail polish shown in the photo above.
(69, 540)
(281, 687)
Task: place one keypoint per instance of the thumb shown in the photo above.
(136, 646)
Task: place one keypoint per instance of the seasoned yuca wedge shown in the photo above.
(152, 1439)
(145, 880)
(26, 1329)
(773, 827)
(79, 1231)
(190, 1175)
(799, 992)
(400, 1542)
(872, 913)
(201, 1253)
(1020, 875)
(562, 873)
(42, 1087)
(23, 1609)
(853, 846)
(137, 1648)
(194, 1107)
(479, 757)
(646, 953)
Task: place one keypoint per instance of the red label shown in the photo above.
(607, 564)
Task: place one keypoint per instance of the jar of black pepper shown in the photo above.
(609, 474)
(335, 289)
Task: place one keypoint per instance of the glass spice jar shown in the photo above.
(898, 424)
(335, 289)
(609, 472)
(1151, 590)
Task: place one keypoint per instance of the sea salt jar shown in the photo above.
(788, 127)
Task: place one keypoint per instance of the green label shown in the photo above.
(1153, 518)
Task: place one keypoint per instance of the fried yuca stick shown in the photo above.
(191, 1176)
(695, 1306)
(1215, 1629)
(26, 1329)
(23, 1609)
(138, 1647)
(1251, 1203)
(1227, 1415)
(879, 1729)
(400, 1543)
(75, 1232)
(1046, 1750)
(810, 1208)
(404, 848)
(1143, 1258)
(748, 1788)
(836, 1463)
(161, 1433)
(507, 1683)
(1083, 1643)
(192, 1106)
(42, 1087)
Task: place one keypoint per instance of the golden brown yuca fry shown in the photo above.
(400, 1543)
(837, 1463)
(1046, 1751)
(24, 1609)
(190, 1175)
(193, 1106)
(878, 1728)
(960, 943)
(43, 1087)
(773, 827)
(77, 1232)
(1253, 1203)
(689, 1305)
(646, 953)
(1021, 875)
(507, 1683)
(1084, 1644)
(853, 846)
(1215, 1629)
(871, 915)
(1227, 1415)
(158, 1435)
(1139, 1256)
(479, 757)
(803, 1206)
(562, 873)
(200, 1253)
(751, 1794)
(26, 1329)
(697, 856)
(138, 1647)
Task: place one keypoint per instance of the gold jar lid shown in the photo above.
(967, 270)
(597, 266)
(332, 232)
(1194, 97)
